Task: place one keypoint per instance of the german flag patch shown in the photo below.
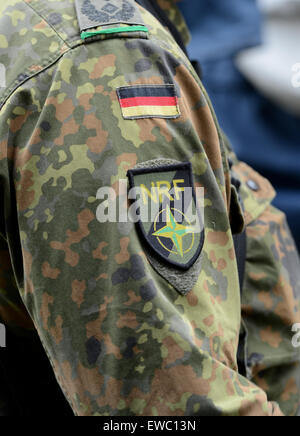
(148, 101)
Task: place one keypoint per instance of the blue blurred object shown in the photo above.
(262, 134)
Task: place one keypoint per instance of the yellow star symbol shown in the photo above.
(174, 231)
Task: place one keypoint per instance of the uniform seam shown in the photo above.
(49, 25)
(49, 62)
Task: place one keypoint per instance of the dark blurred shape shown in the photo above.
(28, 385)
(262, 134)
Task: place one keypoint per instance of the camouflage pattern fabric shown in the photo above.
(174, 15)
(270, 297)
(121, 337)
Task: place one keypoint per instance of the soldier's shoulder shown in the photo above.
(33, 35)
(170, 7)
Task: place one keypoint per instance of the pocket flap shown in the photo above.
(256, 191)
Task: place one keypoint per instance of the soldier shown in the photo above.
(145, 318)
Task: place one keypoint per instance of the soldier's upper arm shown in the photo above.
(135, 320)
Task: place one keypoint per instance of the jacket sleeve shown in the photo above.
(120, 337)
(270, 295)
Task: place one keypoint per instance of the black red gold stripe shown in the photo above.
(149, 101)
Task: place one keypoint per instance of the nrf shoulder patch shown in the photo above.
(167, 212)
(148, 101)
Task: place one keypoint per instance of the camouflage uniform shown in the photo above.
(127, 333)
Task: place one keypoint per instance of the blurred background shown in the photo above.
(249, 51)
